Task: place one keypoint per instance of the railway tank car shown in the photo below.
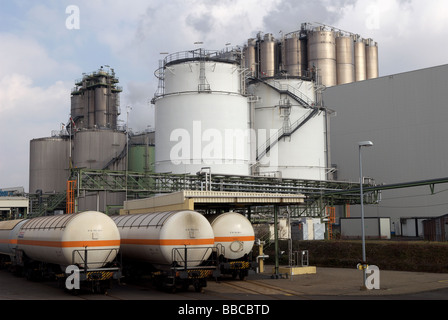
(45, 246)
(174, 243)
(234, 240)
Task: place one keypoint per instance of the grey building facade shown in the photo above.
(406, 117)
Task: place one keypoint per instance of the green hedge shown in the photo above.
(420, 256)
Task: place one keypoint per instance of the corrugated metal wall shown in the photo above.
(405, 116)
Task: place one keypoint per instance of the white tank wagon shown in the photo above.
(175, 244)
(44, 247)
(8, 237)
(161, 238)
(234, 233)
(64, 239)
(234, 240)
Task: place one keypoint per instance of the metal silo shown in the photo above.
(372, 59)
(99, 149)
(141, 158)
(268, 56)
(250, 57)
(96, 101)
(322, 55)
(360, 60)
(203, 117)
(345, 59)
(49, 163)
(296, 55)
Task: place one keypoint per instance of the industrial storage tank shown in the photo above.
(268, 56)
(49, 161)
(345, 59)
(301, 154)
(322, 55)
(202, 117)
(161, 238)
(296, 60)
(250, 56)
(372, 59)
(360, 60)
(234, 234)
(63, 239)
(141, 158)
(95, 101)
(99, 149)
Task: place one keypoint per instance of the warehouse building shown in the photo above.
(405, 116)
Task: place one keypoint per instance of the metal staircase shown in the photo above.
(288, 129)
(281, 133)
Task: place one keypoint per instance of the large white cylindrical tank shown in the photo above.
(8, 235)
(302, 155)
(161, 238)
(63, 239)
(345, 59)
(322, 55)
(234, 234)
(49, 163)
(202, 119)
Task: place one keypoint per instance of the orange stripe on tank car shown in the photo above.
(168, 242)
(231, 239)
(70, 244)
(8, 241)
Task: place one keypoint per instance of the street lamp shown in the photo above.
(363, 237)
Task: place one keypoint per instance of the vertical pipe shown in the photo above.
(362, 219)
(276, 238)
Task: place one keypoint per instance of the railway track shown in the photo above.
(256, 287)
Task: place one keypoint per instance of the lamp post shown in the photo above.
(363, 237)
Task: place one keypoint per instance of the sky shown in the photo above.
(46, 45)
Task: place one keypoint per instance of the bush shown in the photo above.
(417, 256)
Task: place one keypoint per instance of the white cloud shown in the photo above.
(27, 112)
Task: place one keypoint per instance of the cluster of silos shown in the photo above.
(331, 57)
(95, 101)
(91, 140)
(202, 117)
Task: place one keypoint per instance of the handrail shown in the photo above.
(280, 133)
(181, 257)
(302, 98)
(83, 256)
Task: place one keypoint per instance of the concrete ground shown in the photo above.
(348, 282)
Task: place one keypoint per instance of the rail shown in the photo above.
(288, 89)
(229, 55)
